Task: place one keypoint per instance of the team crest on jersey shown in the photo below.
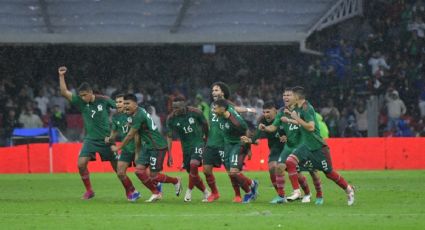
(99, 108)
(118, 122)
(129, 120)
(178, 124)
(191, 120)
(227, 125)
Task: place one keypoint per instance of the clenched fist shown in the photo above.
(62, 70)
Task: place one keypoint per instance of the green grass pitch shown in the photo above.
(384, 200)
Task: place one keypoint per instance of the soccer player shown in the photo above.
(234, 127)
(95, 110)
(276, 140)
(293, 139)
(120, 127)
(214, 150)
(154, 149)
(313, 151)
(192, 128)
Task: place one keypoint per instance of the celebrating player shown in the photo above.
(235, 152)
(154, 149)
(95, 110)
(120, 127)
(191, 127)
(214, 150)
(276, 139)
(293, 139)
(313, 151)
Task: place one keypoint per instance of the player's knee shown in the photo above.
(233, 172)
(280, 169)
(207, 170)
(121, 172)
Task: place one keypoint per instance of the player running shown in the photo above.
(214, 150)
(276, 140)
(154, 149)
(293, 139)
(313, 151)
(95, 111)
(192, 128)
(234, 127)
(120, 128)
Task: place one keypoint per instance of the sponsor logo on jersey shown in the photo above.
(191, 120)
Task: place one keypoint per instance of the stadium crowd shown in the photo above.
(379, 57)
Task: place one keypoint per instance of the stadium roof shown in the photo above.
(168, 21)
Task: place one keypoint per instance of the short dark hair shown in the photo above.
(85, 86)
(130, 97)
(269, 105)
(299, 90)
(119, 95)
(288, 89)
(224, 87)
(221, 103)
(179, 98)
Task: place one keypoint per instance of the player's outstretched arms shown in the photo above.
(63, 89)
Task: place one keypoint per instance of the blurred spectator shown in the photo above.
(10, 122)
(156, 119)
(378, 64)
(42, 102)
(360, 113)
(202, 105)
(395, 108)
(59, 101)
(58, 119)
(421, 103)
(29, 119)
(331, 116)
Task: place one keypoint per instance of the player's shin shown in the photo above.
(317, 184)
(304, 185)
(338, 179)
(291, 165)
(235, 184)
(146, 180)
(211, 182)
(194, 176)
(273, 175)
(85, 177)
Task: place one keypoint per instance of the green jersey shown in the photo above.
(120, 123)
(233, 127)
(190, 127)
(95, 116)
(292, 131)
(148, 131)
(215, 133)
(312, 140)
(273, 139)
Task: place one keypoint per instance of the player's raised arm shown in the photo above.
(64, 90)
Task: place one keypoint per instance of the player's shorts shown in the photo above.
(192, 153)
(234, 156)
(314, 160)
(285, 154)
(126, 157)
(91, 147)
(274, 154)
(152, 157)
(214, 156)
